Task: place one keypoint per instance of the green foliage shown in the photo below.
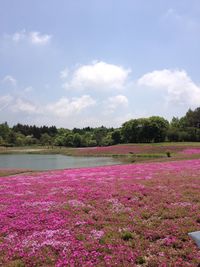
(175, 123)
(192, 118)
(20, 139)
(126, 236)
(4, 130)
(45, 139)
(30, 140)
(140, 260)
(107, 140)
(68, 140)
(173, 134)
(92, 143)
(77, 140)
(2, 142)
(143, 130)
(168, 153)
(116, 137)
(99, 134)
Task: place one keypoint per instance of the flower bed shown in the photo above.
(126, 215)
(191, 151)
(133, 149)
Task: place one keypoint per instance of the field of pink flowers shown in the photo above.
(125, 215)
(191, 151)
(138, 149)
(123, 149)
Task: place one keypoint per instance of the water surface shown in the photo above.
(52, 162)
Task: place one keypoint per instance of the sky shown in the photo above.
(75, 63)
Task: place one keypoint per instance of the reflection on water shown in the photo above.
(51, 162)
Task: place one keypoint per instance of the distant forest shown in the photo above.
(143, 130)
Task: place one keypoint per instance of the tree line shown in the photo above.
(143, 130)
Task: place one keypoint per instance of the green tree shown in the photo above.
(45, 139)
(30, 140)
(116, 136)
(69, 140)
(159, 127)
(77, 140)
(20, 139)
(175, 123)
(99, 134)
(4, 131)
(192, 118)
(2, 142)
(173, 134)
(153, 129)
(107, 140)
(59, 140)
(130, 131)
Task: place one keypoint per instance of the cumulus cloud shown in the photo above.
(10, 80)
(178, 85)
(66, 107)
(25, 106)
(34, 37)
(98, 75)
(5, 101)
(13, 103)
(114, 102)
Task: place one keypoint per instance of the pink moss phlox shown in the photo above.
(125, 215)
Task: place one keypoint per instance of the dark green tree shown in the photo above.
(116, 136)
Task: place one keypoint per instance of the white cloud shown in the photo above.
(98, 75)
(66, 107)
(172, 14)
(119, 101)
(5, 101)
(9, 79)
(178, 85)
(39, 39)
(34, 37)
(21, 105)
(11, 103)
(28, 89)
(64, 73)
(19, 36)
(183, 21)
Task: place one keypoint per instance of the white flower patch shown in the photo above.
(45, 205)
(44, 238)
(80, 223)
(117, 206)
(76, 203)
(97, 234)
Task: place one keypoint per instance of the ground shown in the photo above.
(127, 215)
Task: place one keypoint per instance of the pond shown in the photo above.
(52, 162)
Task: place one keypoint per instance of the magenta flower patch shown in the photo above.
(125, 215)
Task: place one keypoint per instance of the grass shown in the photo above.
(8, 172)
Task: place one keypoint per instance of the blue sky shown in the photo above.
(79, 63)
